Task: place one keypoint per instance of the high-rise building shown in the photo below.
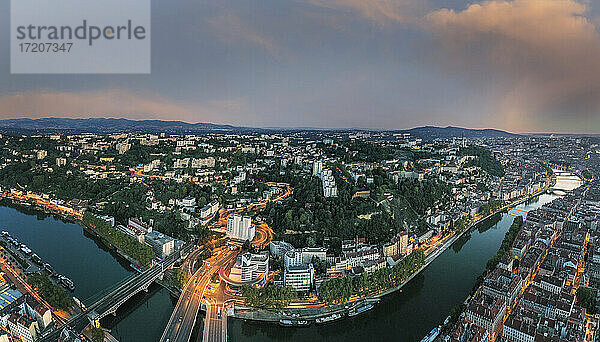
(317, 168)
(61, 161)
(240, 227)
(292, 258)
(401, 243)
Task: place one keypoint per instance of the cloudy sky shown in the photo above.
(520, 65)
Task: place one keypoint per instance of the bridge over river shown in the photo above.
(113, 298)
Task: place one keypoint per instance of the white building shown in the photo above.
(137, 224)
(41, 154)
(327, 179)
(254, 266)
(280, 248)
(308, 253)
(136, 228)
(209, 210)
(239, 178)
(240, 227)
(188, 202)
(292, 258)
(203, 163)
(109, 219)
(317, 168)
(163, 245)
(23, 327)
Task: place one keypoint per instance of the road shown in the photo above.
(181, 323)
(110, 301)
(198, 289)
(215, 324)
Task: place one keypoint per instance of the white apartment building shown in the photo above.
(61, 162)
(209, 210)
(254, 266)
(317, 168)
(240, 227)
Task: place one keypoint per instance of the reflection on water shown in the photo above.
(567, 181)
(488, 223)
(461, 241)
(423, 303)
(402, 316)
(92, 267)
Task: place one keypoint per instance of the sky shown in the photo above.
(518, 65)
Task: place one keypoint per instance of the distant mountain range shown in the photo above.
(103, 126)
(433, 132)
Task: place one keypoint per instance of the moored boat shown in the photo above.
(432, 335)
(356, 311)
(293, 323)
(50, 270)
(328, 319)
(66, 283)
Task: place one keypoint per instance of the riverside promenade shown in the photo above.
(320, 310)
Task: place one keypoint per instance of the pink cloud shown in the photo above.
(547, 54)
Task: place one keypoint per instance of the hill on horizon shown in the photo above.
(115, 125)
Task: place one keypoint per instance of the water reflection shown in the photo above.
(422, 304)
(92, 266)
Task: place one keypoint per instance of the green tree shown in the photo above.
(97, 334)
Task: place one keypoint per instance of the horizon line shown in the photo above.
(305, 127)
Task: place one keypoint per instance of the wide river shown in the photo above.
(403, 316)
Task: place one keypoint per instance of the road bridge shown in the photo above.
(113, 299)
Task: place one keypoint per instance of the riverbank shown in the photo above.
(410, 313)
(67, 214)
(37, 205)
(92, 267)
(312, 313)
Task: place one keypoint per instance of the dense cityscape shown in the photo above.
(304, 228)
(300, 171)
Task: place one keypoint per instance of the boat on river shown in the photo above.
(328, 319)
(50, 270)
(357, 311)
(293, 323)
(37, 260)
(66, 283)
(432, 335)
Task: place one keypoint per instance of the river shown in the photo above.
(402, 316)
(93, 269)
(422, 304)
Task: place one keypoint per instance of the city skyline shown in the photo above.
(521, 66)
